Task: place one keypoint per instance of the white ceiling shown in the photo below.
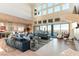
(22, 10)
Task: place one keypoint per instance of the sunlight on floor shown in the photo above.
(1, 50)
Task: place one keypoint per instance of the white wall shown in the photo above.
(16, 9)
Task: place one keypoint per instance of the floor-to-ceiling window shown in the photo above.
(56, 29)
(49, 29)
(43, 28)
(60, 28)
(65, 28)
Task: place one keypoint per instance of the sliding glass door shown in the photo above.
(53, 29)
(56, 29)
(65, 28)
(60, 28)
(49, 29)
(43, 28)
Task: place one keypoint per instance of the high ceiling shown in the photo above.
(34, 4)
(22, 10)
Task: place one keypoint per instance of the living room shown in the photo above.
(34, 29)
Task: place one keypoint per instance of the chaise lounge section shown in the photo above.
(21, 44)
(18, 41)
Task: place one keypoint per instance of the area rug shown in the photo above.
(6, 50)
(41, 43)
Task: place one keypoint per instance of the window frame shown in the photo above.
(39, 22)
(50, 9)
(57, 8)
(50, 4)
(65, 6)
(44, 21)
(50, 20)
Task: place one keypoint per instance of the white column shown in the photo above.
(71, 31)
